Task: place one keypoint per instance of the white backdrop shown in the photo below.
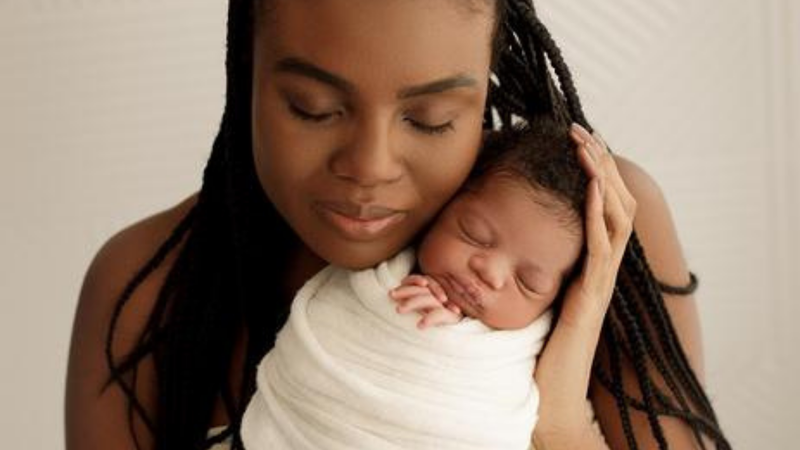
(108, 110)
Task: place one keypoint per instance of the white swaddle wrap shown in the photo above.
(349, 372)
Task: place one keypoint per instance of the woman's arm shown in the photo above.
(97, 418)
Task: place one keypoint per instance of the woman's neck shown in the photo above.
(303, 264)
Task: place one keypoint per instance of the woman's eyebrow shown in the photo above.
(435, 87)
(306, 69)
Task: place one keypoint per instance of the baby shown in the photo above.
(348, 372)
(502, 249)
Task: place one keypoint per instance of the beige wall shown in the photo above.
(108, 109)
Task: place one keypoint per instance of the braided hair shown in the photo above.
(227, 271)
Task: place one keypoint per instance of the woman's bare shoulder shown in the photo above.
(97, 417)
(126, 251)
(136, 243)
(654, 224)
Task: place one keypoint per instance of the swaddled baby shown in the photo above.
(348, 372)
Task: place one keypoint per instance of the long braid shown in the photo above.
(635, 331)
(644, 336)
(201, 308)
(614, 385)
(669, 337)
(628, 289)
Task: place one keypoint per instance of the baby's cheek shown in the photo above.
(438, 252)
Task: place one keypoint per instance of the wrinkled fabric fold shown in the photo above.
(349, 372)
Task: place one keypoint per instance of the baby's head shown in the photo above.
(513, 235)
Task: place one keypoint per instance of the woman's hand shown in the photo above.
(564, 368)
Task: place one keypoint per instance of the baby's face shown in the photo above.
(499, 254)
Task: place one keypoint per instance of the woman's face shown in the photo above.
(367, 116)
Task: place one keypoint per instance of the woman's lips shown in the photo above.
(357, 221)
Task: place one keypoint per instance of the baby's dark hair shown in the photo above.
(542, 155)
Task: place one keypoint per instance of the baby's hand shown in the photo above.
(423, 295)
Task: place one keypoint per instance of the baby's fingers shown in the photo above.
(437, 290)
(453, 307)
(440, 316)
(419, 303)
(404, 292)
(415, 280)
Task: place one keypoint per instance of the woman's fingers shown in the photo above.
(588, 161)
(604, 165)
(586, 298)
(619, 223)
(598, 244)
(598, 163)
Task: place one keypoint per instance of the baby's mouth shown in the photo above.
(465, 298)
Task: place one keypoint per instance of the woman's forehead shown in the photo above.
(397, 41)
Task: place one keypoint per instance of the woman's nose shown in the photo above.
(368, 157)
(490, 269)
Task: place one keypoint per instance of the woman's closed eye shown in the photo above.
(309, 116)
(437, 129)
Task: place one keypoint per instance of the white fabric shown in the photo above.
(226, 444)
(349, 372)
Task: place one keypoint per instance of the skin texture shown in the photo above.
(367, 152)
(499, 253)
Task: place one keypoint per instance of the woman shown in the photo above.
(348, 124)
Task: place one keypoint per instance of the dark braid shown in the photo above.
(614, 384)
(223, 287)
(222, 283)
